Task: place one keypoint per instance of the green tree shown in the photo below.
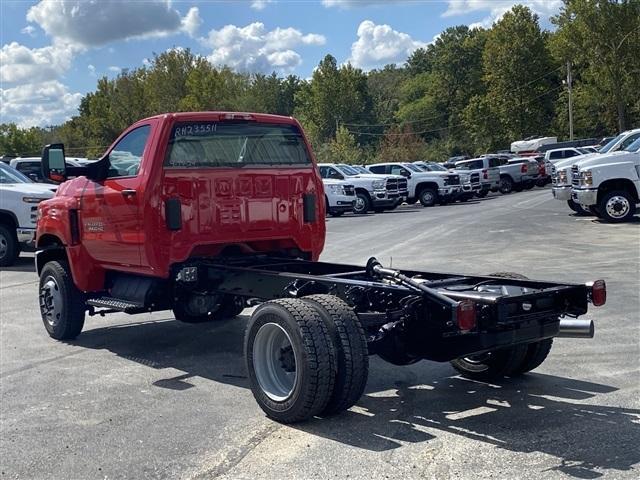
(335, 95)
(341, 149)
(401, 145)
(601, 38)
(519, 75)
(15, 141)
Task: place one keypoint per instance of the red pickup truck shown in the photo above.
(208, 213)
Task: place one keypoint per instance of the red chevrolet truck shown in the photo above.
(208, 213)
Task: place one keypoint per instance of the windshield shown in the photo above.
(11, 175)
(634, 147)
(360, 169)
(227, 144)
(436, 167)
(413, 168)
(348, 169)
(610, 144)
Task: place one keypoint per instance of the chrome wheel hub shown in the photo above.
(618, 206)
(359, 205)
(51, 301)
(274, 362)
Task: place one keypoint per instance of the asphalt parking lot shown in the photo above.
(149, 397)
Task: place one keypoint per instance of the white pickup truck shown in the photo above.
(19, 198)
(609, 185)
(560, 170)
(428, 188)
(373, 192)
(339, 195)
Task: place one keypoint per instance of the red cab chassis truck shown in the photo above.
(207, 213)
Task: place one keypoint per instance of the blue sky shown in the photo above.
(53, 52)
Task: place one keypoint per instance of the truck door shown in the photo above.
(111, 222)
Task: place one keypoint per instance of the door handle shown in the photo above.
(128, 192)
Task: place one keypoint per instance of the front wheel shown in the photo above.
(290, 359)
(362, 204)
(62, 305)
(617, 206)
(428, 197)
(336, 213)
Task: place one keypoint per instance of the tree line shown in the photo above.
(469, 92)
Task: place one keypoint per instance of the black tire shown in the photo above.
(313, 354)
(537, 353)
(617, 206)
(493, 365)
(362, 204)
(9, 246)
(62, 305)
(594, 211)
(411, 201)
(336, 213)
(482, 193)
(230, 306)
(350, 344)
(428, 197)
(541, 182)
(529, 185)
(506, 185)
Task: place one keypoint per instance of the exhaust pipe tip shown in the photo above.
(573, 328)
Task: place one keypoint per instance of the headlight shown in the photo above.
(32, 199)
(586, 177)
(336, 189)
(562, 176)
(378, 184)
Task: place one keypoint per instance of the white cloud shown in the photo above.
(191, 22)
(379, 45)
(43, 104)
(97, 22)
(114, 69)
(252, 48)
(260, 4)
(29, 30)
(20, 64)
(497, 8)
(92, 70)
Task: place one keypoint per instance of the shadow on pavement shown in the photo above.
(23, 264)
(536, 413)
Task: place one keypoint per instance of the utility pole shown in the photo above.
(569, 81)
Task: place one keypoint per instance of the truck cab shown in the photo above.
(176, 187)
(428, 188)
(373, 191)
(609, 185)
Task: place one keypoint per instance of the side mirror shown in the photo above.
(406, 174)
(53, 165)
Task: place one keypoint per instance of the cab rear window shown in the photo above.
(230, 144)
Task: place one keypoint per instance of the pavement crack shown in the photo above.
(233, 457)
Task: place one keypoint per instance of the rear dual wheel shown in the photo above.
(305, 357)
(505, 362)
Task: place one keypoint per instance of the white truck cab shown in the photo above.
(609, 185)
(340, 196)
(19, 198)
(373, 192)
(561, 169)
(428, 188)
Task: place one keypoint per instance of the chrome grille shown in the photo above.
(403, 185)
(392, 184)
(349, 190)
(34, 214)
(474, 178)
(575, 175)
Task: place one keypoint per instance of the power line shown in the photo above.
(411, 122)
(448, 127)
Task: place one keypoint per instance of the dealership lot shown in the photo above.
(149, 397)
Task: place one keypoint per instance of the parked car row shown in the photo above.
(605, 184)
